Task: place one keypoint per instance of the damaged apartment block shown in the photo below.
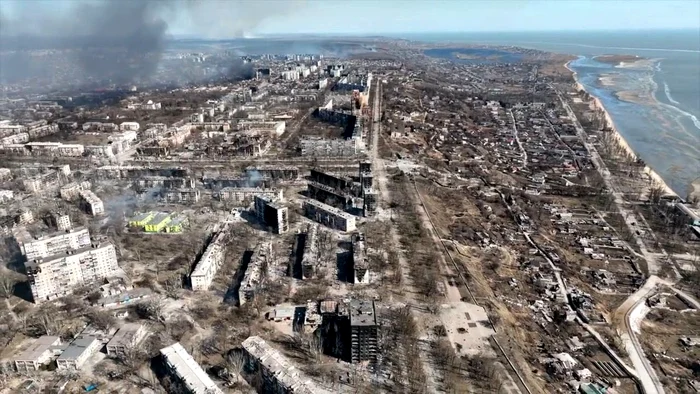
(271, 213)
(360, 263)
(208, 265)
(255, 273)
(329, 216)
(363, 331)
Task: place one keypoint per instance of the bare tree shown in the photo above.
(656, 191)
(152, 309)
(49, 325)
(172, 285)
(132, 357)
(234, 362)
(314, 345)
(7, 283)
(101, 319)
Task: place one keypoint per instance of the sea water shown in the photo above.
(655, 105)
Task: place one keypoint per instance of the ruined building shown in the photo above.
(328, 215)
(363, 331)
(272, 213)
(278, 372)
(360, 263)
(255, 274)
(212, 258)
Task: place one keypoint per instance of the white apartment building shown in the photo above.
(55, 243)
(208, 264)
(33, 185)
(72, 190)
(62, 221)
(133, 126)
(184, 368)
(91, 203)
(53, 276)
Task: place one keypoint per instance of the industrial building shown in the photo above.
(271, 213)
(279, 374)
(90, 203)
(127, 338)
(329, 216)
(360, 263)
(39, 352)
(247, 194)
(55, 243)
(185, 369)
(78, 352)
(209, 263)
(56, 275)
(255, 274)
(363, 331)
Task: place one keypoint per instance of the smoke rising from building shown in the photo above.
(119, 40)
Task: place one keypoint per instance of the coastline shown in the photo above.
(597, 103)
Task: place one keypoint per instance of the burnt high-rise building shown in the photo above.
(272, 214)
(363, 331)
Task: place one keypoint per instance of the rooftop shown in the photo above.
(362, 313)
(281, 367)
(125, 335)
(77, 348)
(189, 370)
(328, 208)
(37, 348)
(159, 218)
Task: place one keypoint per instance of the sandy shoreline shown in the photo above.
(623, 143)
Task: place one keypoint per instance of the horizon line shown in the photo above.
(390, 34)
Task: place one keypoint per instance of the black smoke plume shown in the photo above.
(118, 40)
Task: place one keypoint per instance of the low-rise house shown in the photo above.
(78, 352)
(127, 338)
(38, 353)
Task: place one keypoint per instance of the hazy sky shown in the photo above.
(214, 17)
(367, 16)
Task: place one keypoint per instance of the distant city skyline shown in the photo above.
(231, 18)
